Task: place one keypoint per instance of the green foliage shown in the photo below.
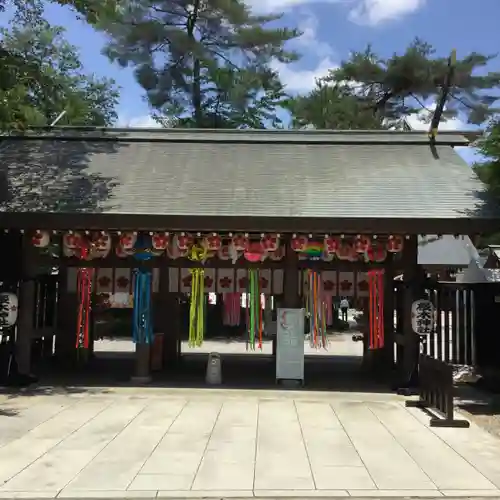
(203, 63)
(392, 89)
(41, 76)
(489, 170)
(332, 106)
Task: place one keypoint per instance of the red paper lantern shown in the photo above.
(223, 253)
(160, 241)
(213, 243)
(345, 251)
(376, 253)
(270, 242)
(331, 245)
(128, 240)
(41, 239)
(254, 252)
(184, 241)
(240, 242)
(362, 244)
(299, 243)
(395, 244)
(277, 255)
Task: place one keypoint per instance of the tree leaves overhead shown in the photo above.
(41, 76)
(199, 59)
(394, 88)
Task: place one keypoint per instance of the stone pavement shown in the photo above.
(149, 442)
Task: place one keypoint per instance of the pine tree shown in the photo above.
(204, 63)
(394, 88)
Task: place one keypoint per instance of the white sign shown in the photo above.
(422, 317)
(290, 344)
(8, 309)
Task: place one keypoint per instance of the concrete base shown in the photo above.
(141, 380)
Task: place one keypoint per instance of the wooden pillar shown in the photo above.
(167, 318)
(389, 338)
(291, 296)
(65, 344)
(26, 309)
(409, 369)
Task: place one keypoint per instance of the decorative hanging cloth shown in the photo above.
(376, 308)
(142, 327)
(328, 302)
(254, 309)
(232, 309)
(84, 294)
(316, 310)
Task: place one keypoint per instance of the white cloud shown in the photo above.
(422, 119)
(301, 80)
(145, 121)
(298, 79)
(368, 12)
(374, 12)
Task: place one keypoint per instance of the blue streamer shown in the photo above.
(142, 329)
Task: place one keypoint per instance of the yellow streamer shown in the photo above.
(197, 305)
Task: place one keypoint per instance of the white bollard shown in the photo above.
(214, 369)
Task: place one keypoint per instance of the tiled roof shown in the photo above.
(239, 173)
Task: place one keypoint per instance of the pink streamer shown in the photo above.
(232, 309)
(328, 300)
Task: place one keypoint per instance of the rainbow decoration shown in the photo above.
(312, 249)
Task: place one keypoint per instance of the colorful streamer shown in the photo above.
(197, 307)
(142, 327)
(316, 310)
(376, 308)
(254, 309)
(84, 291)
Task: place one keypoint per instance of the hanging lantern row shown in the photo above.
(348, 249)
(88, 245)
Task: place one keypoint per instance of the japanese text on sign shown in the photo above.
(422, 317)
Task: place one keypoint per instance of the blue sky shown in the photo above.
(332, 28)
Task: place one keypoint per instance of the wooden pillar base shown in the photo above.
(142, 373)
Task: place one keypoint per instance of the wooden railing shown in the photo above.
(436, 392)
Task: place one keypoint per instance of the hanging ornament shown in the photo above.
(315, 307)
(376, 253)
(224, 253)
(240, 242)
(376, 308)
(8, 309)
(270, 242)
(362, 244)
(84, 293)
(41, 239)
(345, 251)
(331, 245)
(128, 240)
(184, 241)
(395, 244)
(142, 325)
(212, 243)
(160, 241)
(254, 309)
(299, 243)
